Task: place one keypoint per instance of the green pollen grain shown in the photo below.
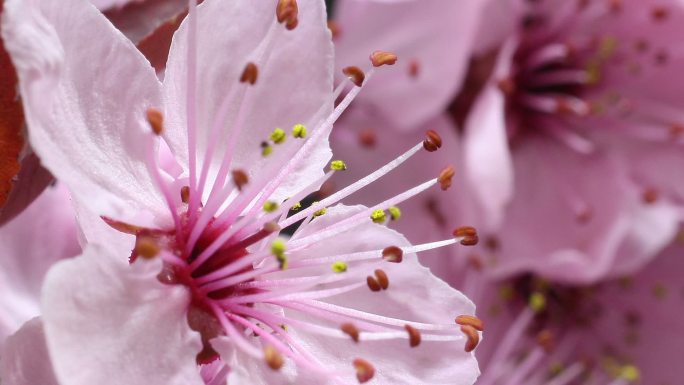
(395, 213)
(339, 267)
(299, 131)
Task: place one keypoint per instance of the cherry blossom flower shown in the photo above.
(211, 279)
(617, 332)
(576, 120)
(41, 235)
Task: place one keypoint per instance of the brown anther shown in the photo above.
(659, 13)
(470, 241)
(350, 330)
(367, 138)
(464, 231)
(475, 262)
(676, 130)
(432, 142)
(155, 119)
(249, 74)
(364, 370)
(414, 335)
(287, 12)
(285, 8)
(414, 68)
(273, 358)
(373, 284)
(146, 247)
(563, 108)
(185, 194)
(470, 320)
(584, 216)
(445, 177)
(473, 337)
(546, 340)
(240, 179)
(650, 195)
(393, 254)
(380, 58)
(507, 86)
(615, 5)
(469, 235)
(355, 74)
(334, 29)
(383, 279)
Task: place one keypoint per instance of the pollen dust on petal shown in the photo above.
(11, 122)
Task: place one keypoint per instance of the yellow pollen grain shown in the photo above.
(395, 213)
(378, 216)
(320, 211)
(299, 131)
(278, 248)
(629, 373)
(339, 267)
(270, 206)
(537, 302)
(278, 136)
(296, 206)
(338, 165)
(266, 149)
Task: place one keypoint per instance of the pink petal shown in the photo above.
(294, 83)
(85, 114)
(41, 235)
(118, 321)
(414, 294)
(487, 157)
(572, 214)
(25, 357)
(435, 35)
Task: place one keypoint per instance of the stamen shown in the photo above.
(278, 136)
(355, 74)
(350, 330)
(378, 216)
(392, 254)
(470, 320)
(185, 194)
(432, 142)
(338, 165)
(270, 206)
(299, 131)
(156, 120)
(339, 267)
(273, 358)
(414, 335)
(146, 247)
(373, 284)
(395, 213)
(414, 68)
(286, 12)
(240, 179)
(383, 279)
(473, 337)
(380, 58)
(334, 29)
(364, 370)
(249, 74)
(445, 177)
(468, 235)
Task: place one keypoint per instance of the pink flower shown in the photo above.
(40, 236)
(618, 332)
(433, 39)
(210, 279)
(572, 143)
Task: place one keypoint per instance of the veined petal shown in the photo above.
(294, 85)
(85, 114)
(102, 313)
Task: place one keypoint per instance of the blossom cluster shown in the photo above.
(229, 192)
